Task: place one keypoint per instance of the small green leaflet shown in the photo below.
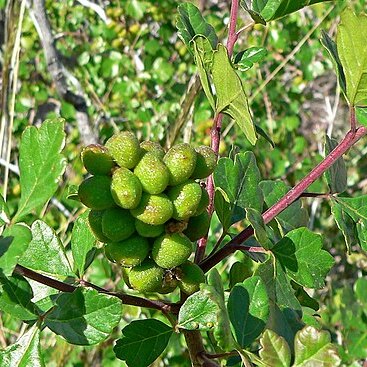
(82, 244)
(245, 60)
(257, 222)
(142, 342)
(301, 256)
(84, 317)
(25, 352)
(13, 243)
(199, 312)
(41, 165)
(15, 297)
(330, 46)
(248, 309)
(274, 351)
(351, 45)
(361, 115)
(45, 253)
(191, 23)
(231, 97)
(336, 175)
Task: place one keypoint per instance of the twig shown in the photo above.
(125, 298)
(216, 129)
(349, 140)
(96, 8)
(58, 72)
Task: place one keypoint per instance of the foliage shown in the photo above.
(294, 294)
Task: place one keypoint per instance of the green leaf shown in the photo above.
(45, 253)
(313, 347)
(82, 244)
(360, 290)
(222, 329)
(361, 115)
(257, 222)
(142, 342)
(301, 255)
(199, 312)
(273, 9)
(255, 15)
(294, 216)
(227, 214)
(336, 175)
(13, 244)
(356, 208)
(248, 308)
(231, 97)
(239, 181)
(351, 45)
(274, 351)
(15, 297)
(25, 352)
(239, 271)
(245, 60)
(41, 164)
(4, 212)
(330, 46)
(285, 309)
(191, 23)
(84, 317)
(203, 56)
(345, 223)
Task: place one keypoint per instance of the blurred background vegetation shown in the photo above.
(124, 68)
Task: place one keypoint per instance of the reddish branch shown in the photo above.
(236, 243)
(69, 288)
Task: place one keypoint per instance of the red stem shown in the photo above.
(216, 129)
(69, 288)
(235, 244)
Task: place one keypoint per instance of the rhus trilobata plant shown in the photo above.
(138, 267)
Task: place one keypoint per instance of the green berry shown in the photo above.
(181, 161)
(153, 209)
(130, 252)
(171, 250)
(126, 188)
(152, 173)
(169, 284)
(147, 277)
(97, 160)
(198, 226)
(153, 147)
(125, 149)
(185, 198)
(148, 230)
(204, 202)
(94, 192)
(95, 224)
(189, 277)
(117, 224)
(205, 162)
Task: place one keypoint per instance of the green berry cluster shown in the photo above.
(148, 207)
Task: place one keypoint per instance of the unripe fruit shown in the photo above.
(152, 147)
(198, 226)
(125, 149)
(117, 224)
(152, 173)
(94, 192)
(130, 252)
(189, 277)
(148, 230)
(153, 209)
(185, 198)
(171, 250)
(126, 188)
(147, 277)
(181, 161)
(204, 202)
(97, 160)
(95, 224)
(169, 284)
(205, 162)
